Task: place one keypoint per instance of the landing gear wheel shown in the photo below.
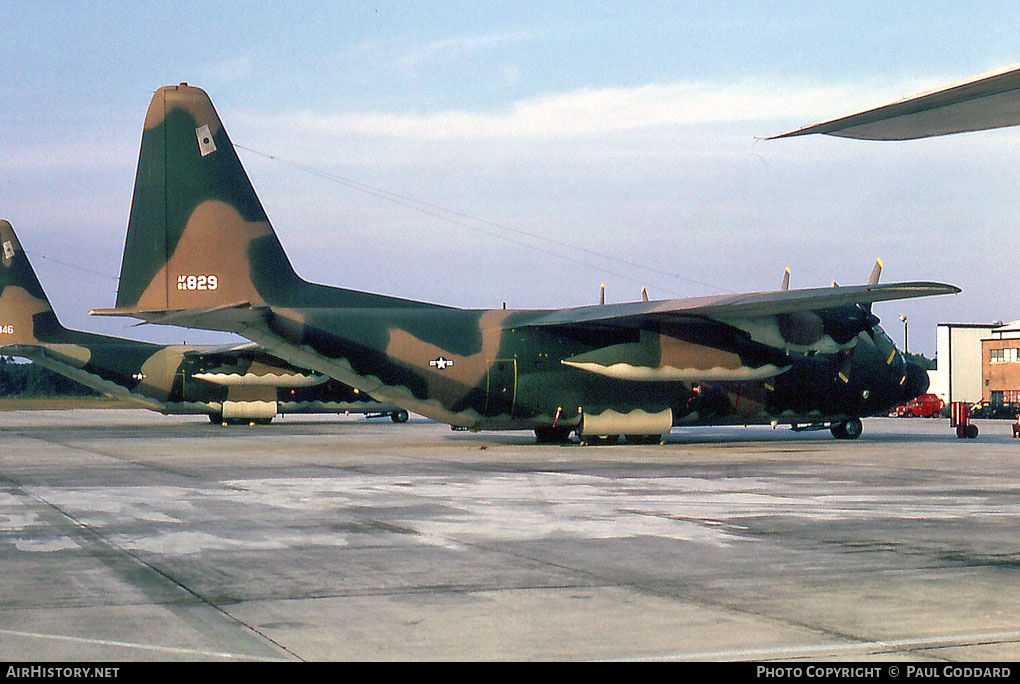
(399, 416)
(968, 431)
(218, 419)
(643, 439)
(552, 435)
(847, 429)
(604, 440)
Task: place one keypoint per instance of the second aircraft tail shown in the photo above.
(26, 316)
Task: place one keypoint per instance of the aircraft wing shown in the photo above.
(989, 101)
(738, 310)
(243, 316)
(749, 305)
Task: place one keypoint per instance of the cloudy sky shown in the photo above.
(475, 153)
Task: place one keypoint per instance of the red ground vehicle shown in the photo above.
(925, 406)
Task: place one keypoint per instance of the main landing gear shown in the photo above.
(218, 419)
(559, 435)
(847, 429)
(398, 416)
(552, 435)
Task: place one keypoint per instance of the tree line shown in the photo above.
(32, 380)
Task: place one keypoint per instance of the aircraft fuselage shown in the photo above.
(495, 370)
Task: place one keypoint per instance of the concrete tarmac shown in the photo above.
(129, 536)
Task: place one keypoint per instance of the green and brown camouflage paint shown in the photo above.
(201, 252)
(234, 384)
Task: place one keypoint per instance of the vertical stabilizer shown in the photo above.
(198, 236)
(26, 316)
(197, 233)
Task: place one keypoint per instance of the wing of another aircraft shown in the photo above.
(989, 101)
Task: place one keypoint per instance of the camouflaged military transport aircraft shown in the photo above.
(236, 384)
(200, 252)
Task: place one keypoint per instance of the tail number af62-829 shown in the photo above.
(205, 281)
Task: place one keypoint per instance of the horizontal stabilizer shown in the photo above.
(229, 317)
(51, 359)
(224, 349)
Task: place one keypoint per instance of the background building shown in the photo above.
(1000, 364)
(958, 355)
(975, 359)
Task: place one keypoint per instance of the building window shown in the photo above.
(1011, 355)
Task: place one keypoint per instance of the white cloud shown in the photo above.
(371, 60)
(232, 69)
(70, 155)
(596, 111)
(455, 48)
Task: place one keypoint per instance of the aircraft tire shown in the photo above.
(219, 420)
(643, 439)
(400, 416)
(552, 435)
(847, 429)
(971, 431)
